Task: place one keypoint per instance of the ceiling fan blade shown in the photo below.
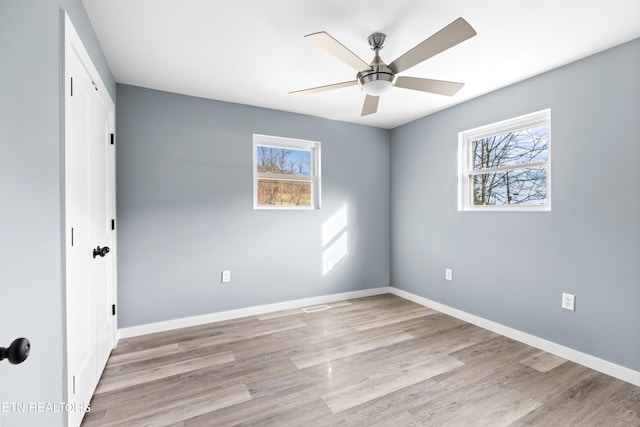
(454, 33)
(441, 87)
(370, 105)
(323, 88)
(337, 49)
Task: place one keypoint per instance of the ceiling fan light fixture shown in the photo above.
(376, 87)
(377, 81)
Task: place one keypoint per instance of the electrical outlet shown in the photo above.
(568, 301)
(448, 274)
(226, 276)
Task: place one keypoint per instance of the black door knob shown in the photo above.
(100, 251)
(17, 352)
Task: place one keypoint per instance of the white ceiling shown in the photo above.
(254, 51)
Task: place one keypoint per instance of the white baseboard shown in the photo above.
(601, 365)
(185, 322)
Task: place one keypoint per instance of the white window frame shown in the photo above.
(293, 144)
(465, 161)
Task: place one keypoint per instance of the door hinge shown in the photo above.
(113, 309)
(113, 139)
(113, 224)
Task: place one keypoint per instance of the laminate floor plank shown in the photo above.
(479, 366)
(629, 397)
(613, 415)
(382, 383)
(175, 411)
(321, 378)
(159, 372)
(401, 419)
(393, 317)
(258, 409)
(345, 350)
(547, 386)
(400, 363)
(480, 404)
(335, 306)
(375, 361)
(452, 340)
(441, 323)
(408, 399)
(568, 407)
(250, 370)
(149, 400)
(161, 358)
(118, 359)
(543, 361)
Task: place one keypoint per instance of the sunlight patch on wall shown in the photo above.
(335, 240)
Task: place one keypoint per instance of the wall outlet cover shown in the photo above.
(448, 274)
(226, 276)
(568, 301)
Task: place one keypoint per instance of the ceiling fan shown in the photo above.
(378, 77)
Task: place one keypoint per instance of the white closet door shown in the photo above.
(89, 209)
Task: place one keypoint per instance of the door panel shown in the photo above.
(100, 230)
(81, 339)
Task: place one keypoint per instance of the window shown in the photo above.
(506, 165)
(286, 173)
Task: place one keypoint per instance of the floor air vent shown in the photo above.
(316, 308)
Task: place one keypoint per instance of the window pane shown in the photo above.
(511, 148)
(284, 161)
(514, 187)
(273, 192)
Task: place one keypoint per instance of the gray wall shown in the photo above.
(512, 267)
(31, 246)
(185, 209)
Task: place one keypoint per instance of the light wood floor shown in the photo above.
(377, 361)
